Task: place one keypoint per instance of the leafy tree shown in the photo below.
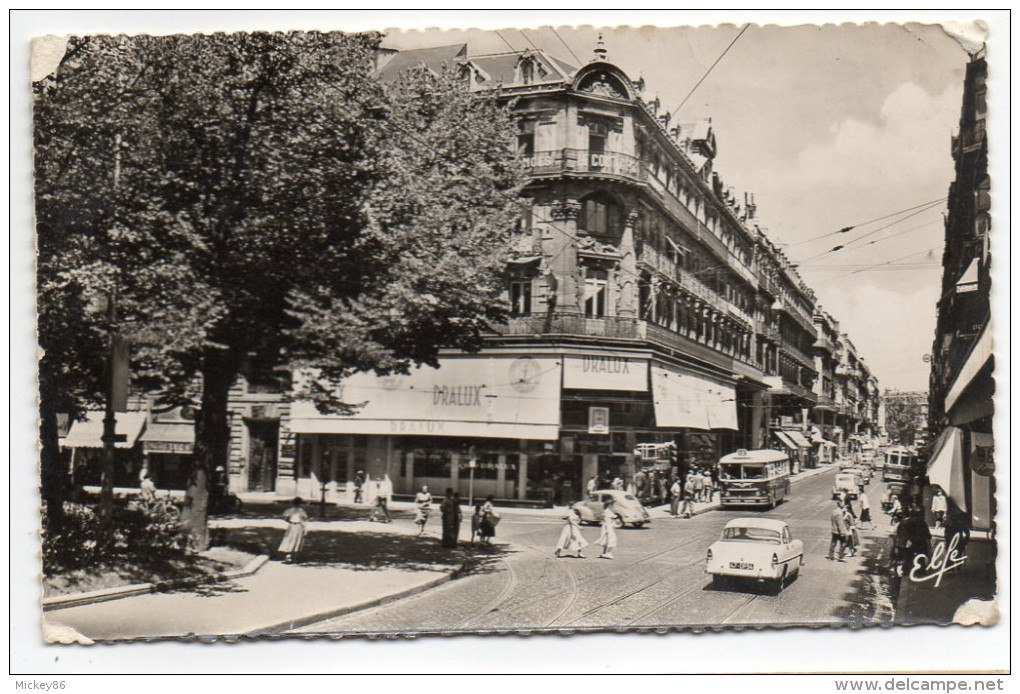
(902, 417)
(277, 208)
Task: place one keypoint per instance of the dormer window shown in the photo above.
(527, 71)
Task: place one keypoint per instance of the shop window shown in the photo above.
(520, 297)
(595, 290)
(432, 464)
(487, 469)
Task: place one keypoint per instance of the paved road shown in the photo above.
(657, 579)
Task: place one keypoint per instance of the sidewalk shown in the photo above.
(965, 594)
(346, 566)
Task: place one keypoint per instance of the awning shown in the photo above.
(798, 438)
(945, 467)
(88, 433)
(786, 440)
(979, 355)
(169, 437)
(968, 281)
(687, 401)
(488, 397)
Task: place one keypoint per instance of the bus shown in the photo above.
(754, 478)
(899, 463)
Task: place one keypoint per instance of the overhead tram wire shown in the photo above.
(888, 263)
(709, 71)
(850, 228)
(836, 249)
(521, 32)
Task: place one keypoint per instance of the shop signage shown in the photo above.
(598, 420)
(786, 421)
(168, 447)
(605, 372)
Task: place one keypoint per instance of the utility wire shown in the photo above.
(508, 43)
(709, 71)
(553, 29)
(850, 228)
(521, 32)
(836, 249)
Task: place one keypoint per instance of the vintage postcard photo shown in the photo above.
(523, 330)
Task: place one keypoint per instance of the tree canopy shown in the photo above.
(259, 203)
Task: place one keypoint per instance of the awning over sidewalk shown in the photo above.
(945, 467)
(88, 433)
(979, 355)
(798, 438)
(786, 441)
(169, 437)
(489, 397)
(687, 401)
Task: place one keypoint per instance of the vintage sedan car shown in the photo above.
(627, 510)
(758, 549)
(845, 482)
(864, 472)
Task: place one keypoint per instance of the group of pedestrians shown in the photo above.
(483, 521)
(843, 523)
(698, 487)
(572, 541)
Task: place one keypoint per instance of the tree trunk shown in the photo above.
(53, 475)
(212, 444)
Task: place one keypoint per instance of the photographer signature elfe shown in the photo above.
(944, 557)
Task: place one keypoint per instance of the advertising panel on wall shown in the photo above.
(605, 372)
(496, 397)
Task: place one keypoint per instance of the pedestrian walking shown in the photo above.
(607, 539)
(913, 538)
(709, 488)
(866, 513)
(687, 507)
(593, 485)
(450, 510)
(379, 493)
(895, 511)
(851, 537)
(571, 540)
(847, 503)
(294, 538)
(618, 484)
(487, 521)
(359, 483)
(939, 506)
(699, 485)
(838, 528)
(422, 508)
(675, 492)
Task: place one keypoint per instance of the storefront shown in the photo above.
(85, 441)
(425, 428)
(168, 449)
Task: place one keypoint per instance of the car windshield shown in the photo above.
(629, 497)
(748, 534)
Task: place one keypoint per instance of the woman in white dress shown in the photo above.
(571, 540)
(422, 508)
(294, 538)
(608, 537)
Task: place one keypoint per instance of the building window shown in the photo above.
(597, 134)
(527, 71)
(595, 289)
(526, 139)
(432, 464)
(600, 216)
(520, 297)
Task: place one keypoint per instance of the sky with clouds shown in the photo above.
(829, 126)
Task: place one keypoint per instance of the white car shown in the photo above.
(760, 549)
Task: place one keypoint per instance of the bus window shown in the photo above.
(729, 472)
(754, 472)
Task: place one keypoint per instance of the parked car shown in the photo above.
(864, 472)
(844, 482)
(759, 549)
(627, 509)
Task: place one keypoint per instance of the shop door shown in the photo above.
(263, 437)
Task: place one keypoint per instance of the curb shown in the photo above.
(60, 602)
(291, 624)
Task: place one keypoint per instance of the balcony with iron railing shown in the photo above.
(623, 329)
(626, 166)
(804, 359)
(568, 160)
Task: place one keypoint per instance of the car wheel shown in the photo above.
(778, 583)
(617, 521)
